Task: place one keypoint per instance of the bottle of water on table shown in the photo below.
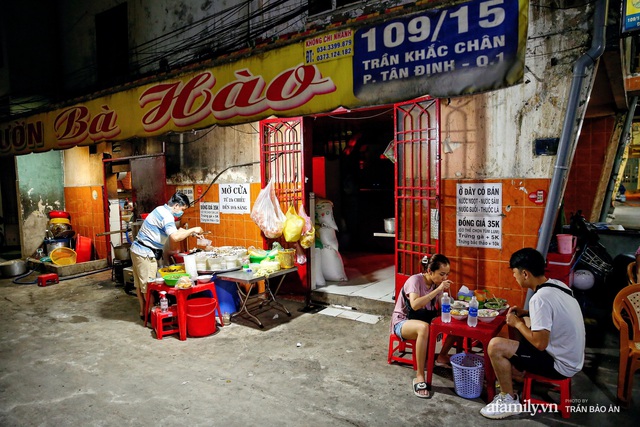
(445, 304)
(472, 318)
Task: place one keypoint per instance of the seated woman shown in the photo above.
(415, 308)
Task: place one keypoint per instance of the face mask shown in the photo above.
(178, 214)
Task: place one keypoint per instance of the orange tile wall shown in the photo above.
(483, 268)
(586, 169)
(87, 216)
(233, 230)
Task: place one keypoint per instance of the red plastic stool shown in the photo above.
(45, 279)
(158, 324)
(565, 392)
(401, 348)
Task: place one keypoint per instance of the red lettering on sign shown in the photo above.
(75, 124)
(187, 104)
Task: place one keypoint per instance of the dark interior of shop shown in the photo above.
(359, 178)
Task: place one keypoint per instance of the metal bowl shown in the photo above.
(390, 225)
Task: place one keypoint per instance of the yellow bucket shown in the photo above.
(63, 256)
(287, 258)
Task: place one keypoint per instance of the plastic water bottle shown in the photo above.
(445, 303)
(472, 318)
(164, 302)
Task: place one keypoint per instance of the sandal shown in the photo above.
(418, 387)
(442, 365)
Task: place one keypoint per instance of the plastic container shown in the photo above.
(468, 374)
(287, 258)
(446, 308)
(59, 221)
(172, 279)
(63, 256)
(164, 302)
(228, 298)
(83, 249)
(566, 243)
(560, 267)
(201, 317)
(59, 214)
(472, 318)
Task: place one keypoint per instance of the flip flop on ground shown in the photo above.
(442, 365)
(418, 387)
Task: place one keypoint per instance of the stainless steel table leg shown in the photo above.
(272, 296)
(244, 298)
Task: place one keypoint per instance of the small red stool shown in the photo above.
(565, 392)
(45, 279)
(161, 327)
(401, 348)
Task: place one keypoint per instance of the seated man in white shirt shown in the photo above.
(553, 346)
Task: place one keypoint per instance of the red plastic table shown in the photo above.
(181, 301)
(483, 333)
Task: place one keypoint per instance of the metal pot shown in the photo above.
(390, 225)
(51, 244)
(122, 253)
(15, 267)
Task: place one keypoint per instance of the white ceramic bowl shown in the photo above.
(204, 278)
(487, 315)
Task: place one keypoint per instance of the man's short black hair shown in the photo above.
(179, 199)
(528, 259)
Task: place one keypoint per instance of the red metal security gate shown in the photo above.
(284, 159)
(417, 184)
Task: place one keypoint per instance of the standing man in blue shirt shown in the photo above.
(147, 248)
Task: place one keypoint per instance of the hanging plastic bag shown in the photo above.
(308, 225)
(308, 239)
(301, 257)
(293, 226)
(266, 212)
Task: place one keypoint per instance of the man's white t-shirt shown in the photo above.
(559, 313)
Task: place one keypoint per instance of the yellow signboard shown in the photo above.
(460, 49)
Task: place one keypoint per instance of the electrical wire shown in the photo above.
(76, 276)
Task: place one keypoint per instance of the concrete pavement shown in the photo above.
(76, 354)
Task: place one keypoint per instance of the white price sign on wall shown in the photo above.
(187, 190)
(209, 213)
(235, 198)
(479, 215)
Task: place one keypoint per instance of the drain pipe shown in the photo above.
(570, 127)
(622, 145)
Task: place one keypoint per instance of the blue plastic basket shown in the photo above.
(468, 374)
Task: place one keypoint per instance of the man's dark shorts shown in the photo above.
(530, 359)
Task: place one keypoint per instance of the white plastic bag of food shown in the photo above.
(328, 237)
(332, 265)
(267, 214)
(316, 271)
(324, 214)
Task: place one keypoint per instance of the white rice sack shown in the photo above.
(324, 214)
(316, 272)
(332, 266)
(328, 237)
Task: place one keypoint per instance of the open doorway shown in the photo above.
(351, 170)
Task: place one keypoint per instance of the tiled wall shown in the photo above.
(233, 230)
(87, 219)
(586, 169)
(482, 268)
(87, 215)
